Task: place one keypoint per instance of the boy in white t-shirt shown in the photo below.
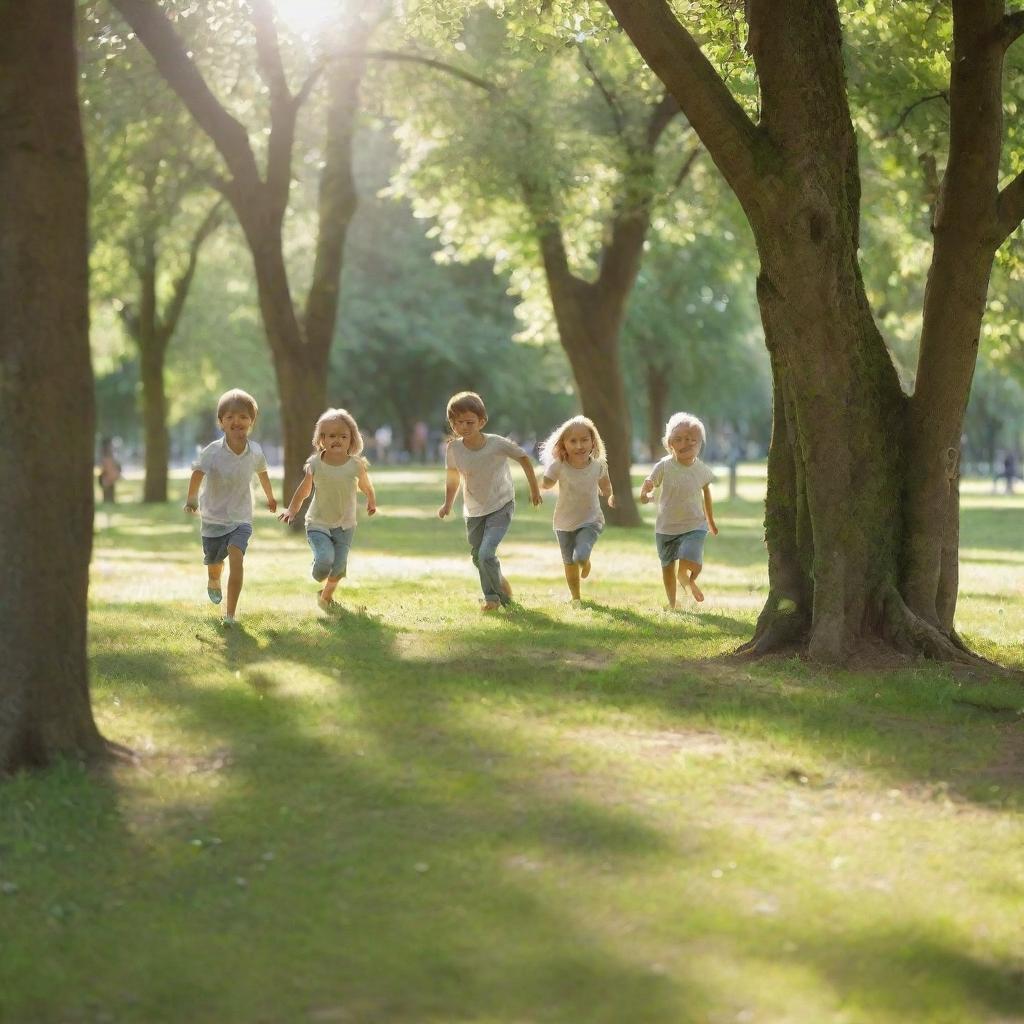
(685, 512)
(225, 504)
(479, 462)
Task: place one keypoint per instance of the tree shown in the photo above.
(46, 399)
(299, 341)
(862, 507)
(553, 168)
(150, 216)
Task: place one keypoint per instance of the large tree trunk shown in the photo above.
(657, 407)
(862, 507)
(46, 401)
(154, 417)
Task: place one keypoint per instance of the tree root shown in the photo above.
(781, 627)
(912, 635)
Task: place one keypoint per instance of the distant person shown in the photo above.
(334, 472)
(479, 463)
(109, 471)
(420, 441)
(574, 459)
(383, 436)
(685, 513)
(225, 503)
(1010, 470)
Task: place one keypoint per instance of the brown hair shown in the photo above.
(466, 401)
(236, 399)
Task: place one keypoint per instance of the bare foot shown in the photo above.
(506, 588)
(327, 604)
(585, 569)
(490, 606)
(698, 594)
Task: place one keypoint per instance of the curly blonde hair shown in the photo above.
(355, 445)
(683, 419)
(554, 447)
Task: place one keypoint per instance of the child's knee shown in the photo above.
(320, 570)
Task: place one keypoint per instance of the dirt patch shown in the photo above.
(656, 742)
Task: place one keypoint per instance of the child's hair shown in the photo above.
(235, 399)
(466, 401)
(683, 419)
(355, 445)
(554, 447)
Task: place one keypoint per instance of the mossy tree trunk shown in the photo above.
(46, 394)
(862, 504)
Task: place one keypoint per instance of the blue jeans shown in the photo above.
(577, 544)
(330, 551)
(485, 534)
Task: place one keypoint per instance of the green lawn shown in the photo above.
(412, 812)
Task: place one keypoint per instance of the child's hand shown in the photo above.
(645, 497)
(443, 510)
(714, 529)
(190, 507)
(286, 516)
(537, 498)
(611, 501)
(371, 508)
(271, 504)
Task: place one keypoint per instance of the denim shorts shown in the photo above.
(577, 544)
(215, 549)
(330, 551)
(686, 547)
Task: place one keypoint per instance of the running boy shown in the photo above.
(225, 503)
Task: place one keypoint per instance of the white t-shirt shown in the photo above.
(334, 495)
(486, 479)
(225, 500)
(681, 501)
(578, 503)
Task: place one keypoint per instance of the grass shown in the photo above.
(415, 813)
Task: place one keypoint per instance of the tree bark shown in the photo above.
(861, 515)
(657, 407)
(46, 394)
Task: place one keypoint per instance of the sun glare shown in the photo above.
(308, 16)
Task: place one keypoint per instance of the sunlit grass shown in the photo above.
(413, 812)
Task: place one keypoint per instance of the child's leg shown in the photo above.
(688, 573)
(668, 576)
(572, 577)
(235, 577)
(493, 528)
(586, 538)
(213, 574)
(341, 542)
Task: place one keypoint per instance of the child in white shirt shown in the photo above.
(685, 513)
(574, 459)
(225, 504)
(479, 462)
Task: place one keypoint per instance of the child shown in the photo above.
(683, 518)
(480, 463)
(574, 459)
(225, 505)
(336, 471)
(110, 471)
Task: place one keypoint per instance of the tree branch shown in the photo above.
(414, 58)
(157, 34)
(687, 166)
(268, 52)
(733, 141)
(664, 112)
(1012, 28)
(609, 98)
(1010, 207)
(944, 95)
(169, 321)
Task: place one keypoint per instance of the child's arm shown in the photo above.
(604, 487)
(268, 490)
(192, 500)
(451, 488)
(547, 483)
(646, 489)
(531, 479)
(709, 511)
(302, 492)
(367, 488)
